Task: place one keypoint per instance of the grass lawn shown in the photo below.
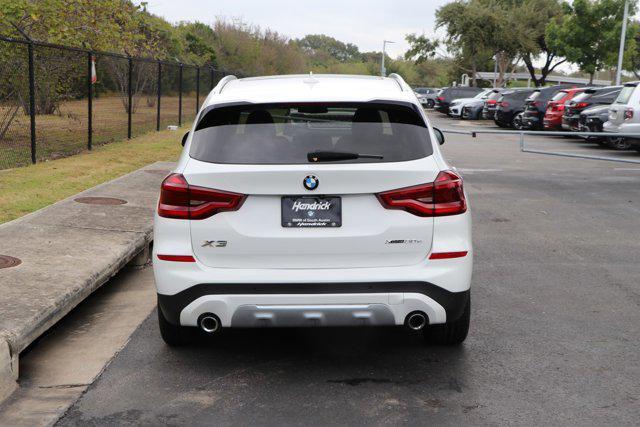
(65, 133)
(30, 188)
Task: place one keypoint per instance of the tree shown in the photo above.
(589, 32)
(198, 40)
(529, 20)
(632, 60)
(421, 48)
(467, 26)
(318, 44)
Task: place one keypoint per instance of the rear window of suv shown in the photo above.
(494, 96)
(559, 95)
(625, 94)
(286, 133)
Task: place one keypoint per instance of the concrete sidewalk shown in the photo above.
(67, 251)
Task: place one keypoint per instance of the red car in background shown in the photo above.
(555, 108)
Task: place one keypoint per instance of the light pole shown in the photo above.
(623, 36)
(383, 71)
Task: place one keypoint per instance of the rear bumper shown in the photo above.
(531, 122)
(488, 114)
(552, 121)
(313, 304)
(441, 107)
(571, 123)
(503, 117)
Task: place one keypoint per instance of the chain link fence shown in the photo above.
(56, 101)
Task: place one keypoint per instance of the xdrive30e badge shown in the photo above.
(310, 182)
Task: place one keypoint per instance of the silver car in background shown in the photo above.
(624, 113)
(456, 106)
(427, 96)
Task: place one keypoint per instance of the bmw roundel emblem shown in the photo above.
(310, 182)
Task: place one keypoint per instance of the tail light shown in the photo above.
(180, 200)
(177, 258)
(491, 101)
(503, 104)
(581, 105)
(440, 98)
(628, 114)
(448, 255)
(443, 197)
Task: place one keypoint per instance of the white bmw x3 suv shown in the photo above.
(312, 200)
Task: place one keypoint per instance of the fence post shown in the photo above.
(197, 89)
(32, 101)
(159, 95)
(89, 100)
(129, 97)
(180, 95)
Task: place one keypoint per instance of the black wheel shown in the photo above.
(173, 335)
(430, 103)
(618, 143)
(516, 121)
(450, 333)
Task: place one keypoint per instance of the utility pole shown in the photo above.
(383, 70)
(495, 69)
(623, 36)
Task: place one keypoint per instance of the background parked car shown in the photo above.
(472, 110)
(536, 105)
(456, 106)
(592, 119)
(510, 106)
(426, 96)
(489, 107)
(590, 97)
(449, 94)
(624, 113)
(555, 107)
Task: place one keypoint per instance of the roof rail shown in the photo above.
(223, 82)
(218, 89)
(403, 85)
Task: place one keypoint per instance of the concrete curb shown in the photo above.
(8, 371)
(68, 250)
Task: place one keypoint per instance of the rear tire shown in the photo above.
(173, 335)
(516, 121)
(450, 333)
(430, 103)
(618, 143)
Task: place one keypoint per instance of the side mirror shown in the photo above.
(439, 135)
(184, 138)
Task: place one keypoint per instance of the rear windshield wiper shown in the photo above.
(334, 156)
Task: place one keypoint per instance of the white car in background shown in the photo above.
(457, 105)
(624, 113)
(313, 200)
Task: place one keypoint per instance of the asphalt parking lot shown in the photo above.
(555, 324)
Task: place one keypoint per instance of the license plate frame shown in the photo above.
(311, 211)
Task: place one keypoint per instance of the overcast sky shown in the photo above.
(361, 22)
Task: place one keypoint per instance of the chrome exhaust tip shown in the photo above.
(209, 323)
(416, 320)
